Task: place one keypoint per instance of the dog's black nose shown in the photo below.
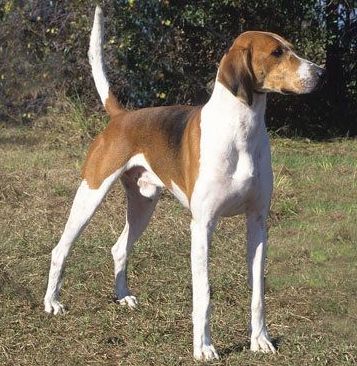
(320, 78)
(321, 72)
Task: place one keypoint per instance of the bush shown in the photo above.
(167, 52)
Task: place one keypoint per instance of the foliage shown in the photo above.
(167, 51)
(43, 47)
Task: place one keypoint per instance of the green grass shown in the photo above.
(311, 268)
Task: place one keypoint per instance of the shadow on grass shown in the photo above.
(277, 342)
(28, 141)
(14, 289)
(235, 348)
(114, 341)
(241, 346)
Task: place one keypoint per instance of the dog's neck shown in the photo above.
(224, 99)
(225, 111)
(238, 126)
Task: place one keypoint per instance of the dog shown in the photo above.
(215, 159)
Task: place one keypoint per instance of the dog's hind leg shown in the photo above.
(142, 197)
(84, 206)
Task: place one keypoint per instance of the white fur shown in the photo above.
(146, 186)
(149, 183)
(95, 55)
(177, 192)
(149, 175)
(308, 73)
(235, 176)
(304, 70)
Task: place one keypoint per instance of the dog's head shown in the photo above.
(264, 62)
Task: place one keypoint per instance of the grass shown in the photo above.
(311, 271)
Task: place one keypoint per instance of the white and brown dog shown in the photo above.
(215, 159)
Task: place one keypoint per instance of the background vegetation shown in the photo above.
(165, 52)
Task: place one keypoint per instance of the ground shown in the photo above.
(310, 279)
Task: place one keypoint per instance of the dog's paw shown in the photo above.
(205, 353)
(54, 307)
(128, 300)
(262, 343)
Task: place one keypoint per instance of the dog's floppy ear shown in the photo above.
(235, 73)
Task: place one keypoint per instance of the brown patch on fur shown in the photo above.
(107, 153)
(235, 73)
(112, 106)
(250, 65)
(168, 137)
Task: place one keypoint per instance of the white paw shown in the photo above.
(262, 343)
(205, 353)
(54, 306)
(129, 300)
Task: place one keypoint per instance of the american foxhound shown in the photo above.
(215, 159)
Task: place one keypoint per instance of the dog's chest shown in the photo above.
(231, 158)
(230, 143)
(232, 165)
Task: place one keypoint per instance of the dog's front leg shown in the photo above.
(201, 232)
(257, 241)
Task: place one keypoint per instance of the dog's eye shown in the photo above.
(277, 52)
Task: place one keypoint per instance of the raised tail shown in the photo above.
(95, 54)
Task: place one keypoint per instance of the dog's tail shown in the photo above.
(95, 54)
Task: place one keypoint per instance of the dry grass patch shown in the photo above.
(311, 285)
